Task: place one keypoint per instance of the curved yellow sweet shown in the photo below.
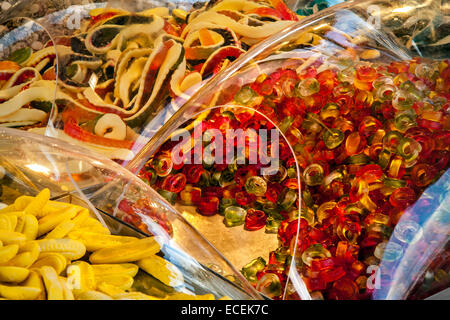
(49, 222)
(30, 226)
(8, 222)
(128, 252)
(13, 274)
(109, 289)
(70, 249)
(19, 293)
(53, 287)
(51, 259)
(162, 270)
(37, 204)
(94, 241)
(34, 280)
(121, 281)
(61, 230)
(67, 292)
(8, 252)
(22, 202)
(11, 237)
(81, 217)
(129, 269)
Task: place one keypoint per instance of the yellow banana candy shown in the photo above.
(53, 287)
(162, 270)
(67, 292)
(22, 202)
(81, 217)
(8, 252)
(121, 281)
(128, 252)
(81, 277)
(52, 207)
(49, 222)
(93, 295)
(34, 280)
(20, 224)
(13, 274)
(28, 254)
(11, 237)
(51, 259)
(19, 292)
(37, 204)
(30, 227)
(108, 269)
(109, 289)
(70, 249)
(8, 222)
(94, 241)
(61, 230)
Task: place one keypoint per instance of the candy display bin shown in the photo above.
(124, 67)
(359, 103)
(117, 199)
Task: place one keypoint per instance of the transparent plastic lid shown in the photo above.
(121, 62)
(359, 105)
(124, 204)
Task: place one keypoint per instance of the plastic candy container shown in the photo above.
(66, 201)
(118, 64)
(363, 129)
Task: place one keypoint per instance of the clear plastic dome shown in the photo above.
(30, 163)
(361, 100)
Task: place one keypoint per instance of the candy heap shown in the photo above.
(120, 69)
(368, 137)
(57, 251)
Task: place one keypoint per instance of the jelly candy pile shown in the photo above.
(368, 139)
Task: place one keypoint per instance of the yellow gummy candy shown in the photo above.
(94, 241)
(53, 287)
(67, 292)
(49, 222)
(51, 259)
(121, 281)
(37, 204)
(127, 252)
(81, 217)
(19, 293)
(30, 226)
(108, 269)
(162, 270)
(22, 202)
(34, 280)
(109, 289)
(11, 237)
(8, 252)
(13, 274)
(8, 222)
(61, 230)
(24, 259)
